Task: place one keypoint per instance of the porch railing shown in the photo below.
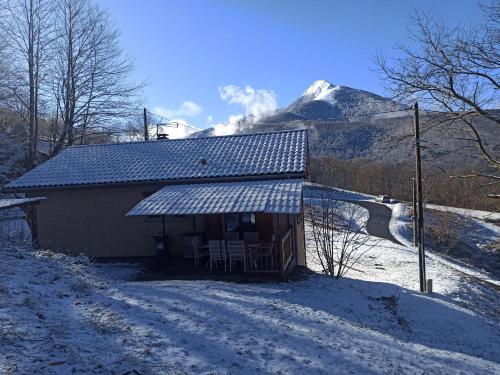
(267, 256)
(262, 256)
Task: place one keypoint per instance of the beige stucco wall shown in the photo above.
(93, 221)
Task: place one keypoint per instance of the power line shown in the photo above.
(161, 118)
(165, 121)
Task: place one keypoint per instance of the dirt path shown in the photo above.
(378, 221)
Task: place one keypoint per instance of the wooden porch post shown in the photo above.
(223, 226)
(295, 244)
(164, 234)
(34, 226)
(276, 231)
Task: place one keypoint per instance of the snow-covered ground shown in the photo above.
(477, 214)
(479, 229)
(61, 315)
(401, 228)
(13, 225)
(312, 190)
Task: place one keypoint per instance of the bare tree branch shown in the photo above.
(337, 232)
(455, 70)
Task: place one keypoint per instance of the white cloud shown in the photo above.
(256, 103)
(186, 109)
(229, 127)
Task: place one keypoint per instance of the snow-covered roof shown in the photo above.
(6, 203)
(277, 153)
(271, 196)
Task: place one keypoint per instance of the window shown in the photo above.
(232, 222)
(247, 223)
(240, 223)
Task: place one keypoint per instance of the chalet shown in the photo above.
(231, 202)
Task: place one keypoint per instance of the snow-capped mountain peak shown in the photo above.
(323, 100)
(320, 90)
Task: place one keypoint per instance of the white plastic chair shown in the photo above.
(236, 250)
(196, 243)
(217, 250)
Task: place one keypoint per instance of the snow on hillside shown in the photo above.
(62, 315)
(313, 190)
(11, 156)
(392, 269)
(13, 225)
(401, 228)
(477, 214)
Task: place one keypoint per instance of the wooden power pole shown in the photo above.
(415, 213)
(146, 132)
(420, 208)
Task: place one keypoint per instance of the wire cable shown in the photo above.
(165, 121)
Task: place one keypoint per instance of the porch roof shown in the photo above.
(269, 196)
(6, 203)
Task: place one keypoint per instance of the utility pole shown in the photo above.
(420, 209)
(415, 213)
(146, 132)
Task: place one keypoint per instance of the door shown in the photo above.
(213, 227)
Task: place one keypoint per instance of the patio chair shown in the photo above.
(236, 250)
(198, 251)
(260, 255)
(217, 250)
(265, 255)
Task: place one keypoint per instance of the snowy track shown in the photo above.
(379, 220)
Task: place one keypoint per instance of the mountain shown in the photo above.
(350, 123)
(323, 100)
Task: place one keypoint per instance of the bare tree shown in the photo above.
(453, 70)
(26, 26)
(337, 232)
(4, 94)
(91, 74)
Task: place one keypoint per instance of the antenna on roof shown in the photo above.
(173, 124)
(163, 122)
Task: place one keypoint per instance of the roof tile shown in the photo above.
(269, 196)
(262, 154)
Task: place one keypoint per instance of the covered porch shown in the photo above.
(245, 227)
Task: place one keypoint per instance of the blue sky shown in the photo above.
(209, 60)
